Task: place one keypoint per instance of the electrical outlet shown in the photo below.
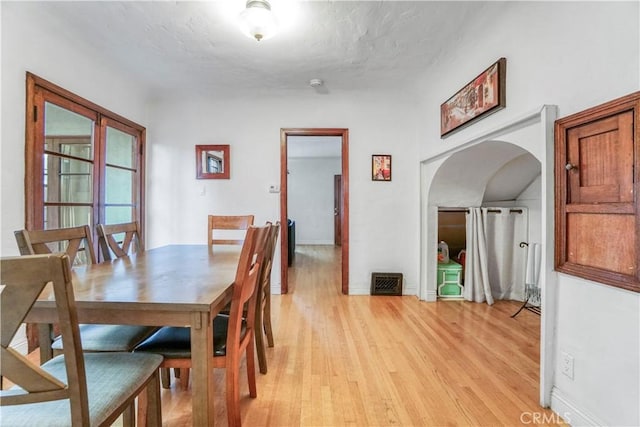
(566, 365)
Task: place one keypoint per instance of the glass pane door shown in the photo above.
(121, 175)
(68, 168)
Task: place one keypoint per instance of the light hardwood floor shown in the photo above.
(385, 361)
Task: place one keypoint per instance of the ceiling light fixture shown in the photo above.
(257, 20)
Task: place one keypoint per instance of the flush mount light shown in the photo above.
(257, 20)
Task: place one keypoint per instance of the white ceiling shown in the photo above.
(182, 47)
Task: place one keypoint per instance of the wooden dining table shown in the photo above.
(175, 285)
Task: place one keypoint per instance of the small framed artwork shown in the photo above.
(482, 96)
(381, 167)
(212, 162)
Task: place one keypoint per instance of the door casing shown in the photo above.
(284, 258)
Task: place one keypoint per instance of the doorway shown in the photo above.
(343, 213)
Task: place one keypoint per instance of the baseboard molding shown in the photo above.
(409, 290)
(570, 413)
(432, 295)
(355, 290)
(360, 290)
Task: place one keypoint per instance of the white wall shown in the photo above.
(310, 195)
(530, 199)
(574, 55)
(383, 216)
(32, 42)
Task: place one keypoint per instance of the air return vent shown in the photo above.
(386, 283)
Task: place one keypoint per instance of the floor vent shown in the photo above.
(386, 283)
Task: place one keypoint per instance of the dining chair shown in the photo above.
(233, 335)
(234, 222)
(73, 389)
(117, 239)
(72, 240)
(263, 307)
(95, 338)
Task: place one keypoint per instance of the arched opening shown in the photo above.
(498, 167)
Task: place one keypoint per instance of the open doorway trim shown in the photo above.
(543, 120)
(284, 255)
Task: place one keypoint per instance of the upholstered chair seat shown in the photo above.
(175, 342)
(109, 337)
(111, 379)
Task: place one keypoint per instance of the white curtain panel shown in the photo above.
(506, 259)
(495, 265)
(476, 277)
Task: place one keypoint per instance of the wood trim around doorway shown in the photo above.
(284, 263)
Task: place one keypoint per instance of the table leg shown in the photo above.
(202, 369)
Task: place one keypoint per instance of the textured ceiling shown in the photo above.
(179, 46)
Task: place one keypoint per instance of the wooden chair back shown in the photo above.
(220, 222)
(117, 239)
(23, 279)
(68, 240)
(263, 305)
(244, 292)
(268, 257)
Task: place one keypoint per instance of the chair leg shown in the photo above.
(267, 318)
(260, 344)
(154, 408)
(184, 377)
(129, 416)
(165, 375)
(251, 369)
(149, 404)
(143, 408)
(233, 395)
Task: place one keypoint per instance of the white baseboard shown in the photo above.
(359, 290)
(432, 295)
(570, 413)
(355, 290)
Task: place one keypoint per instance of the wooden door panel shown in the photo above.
(597, 172)
(602, 241)
(601, 153)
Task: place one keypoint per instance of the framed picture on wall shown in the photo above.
(480, 97)
(381, 167)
